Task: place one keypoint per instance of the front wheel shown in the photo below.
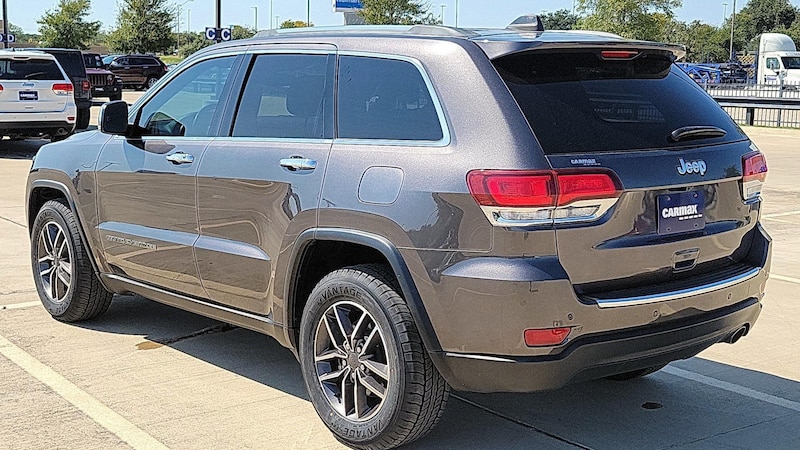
(62, 271)
(364, 364)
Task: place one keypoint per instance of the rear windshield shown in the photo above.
(93, 61)
(578, 102)
(72, 62)
(30, 69)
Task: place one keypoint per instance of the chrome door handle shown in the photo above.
(180, 158)
(299, 164)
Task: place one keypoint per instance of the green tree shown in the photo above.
(765, 16)
(192, 42)
(704, 42)
(66, 26)
(397, 12)
(650, 20)
(143, 26)
(295, 24)
(562, 19)
(242, 32)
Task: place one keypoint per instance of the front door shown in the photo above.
(260, 187)
(146, 186)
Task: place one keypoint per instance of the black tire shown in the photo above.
(150, 82)
(82, 121)
(634, 374)
(115, 97)
(415, 398)
(70, 291)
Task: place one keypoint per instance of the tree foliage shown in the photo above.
(397, 12)
(66, 26)
(295, 24)
(562, 19)
(143, 26)
(764, 16)
(635, 19)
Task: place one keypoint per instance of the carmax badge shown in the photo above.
(698, 166)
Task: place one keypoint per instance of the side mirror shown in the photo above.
(114, 118)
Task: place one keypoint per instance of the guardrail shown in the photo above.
(776, 105)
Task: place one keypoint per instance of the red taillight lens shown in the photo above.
(512, 188)
(618, 54)
(63, 88)
(1, 88)
(546, 336)
(507, 188)
(754, 166)
(584, 186)
(86, 85)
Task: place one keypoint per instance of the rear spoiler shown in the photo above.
(496, 48)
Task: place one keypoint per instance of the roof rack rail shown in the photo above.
(424, 30)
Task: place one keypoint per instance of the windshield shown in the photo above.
(30, 69)
(578, 102)
(92, 61)
(107, 60)
(791, 62)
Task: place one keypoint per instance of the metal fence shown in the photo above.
(771, 105)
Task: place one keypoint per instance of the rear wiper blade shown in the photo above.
(696, 132)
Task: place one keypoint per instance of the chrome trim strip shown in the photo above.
(479, 357)
(655, 298)
(189, 299)
(493, 213)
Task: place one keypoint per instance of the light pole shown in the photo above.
(270, 14)
(724, 13)
(189, 20)
(456, 13)
(179, 21)
(442, 15)
(733, 24)
(255, 18)
(277, 22)
(308, 13)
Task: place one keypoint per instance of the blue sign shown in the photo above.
(347, 5)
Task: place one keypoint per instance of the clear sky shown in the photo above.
(472, 13)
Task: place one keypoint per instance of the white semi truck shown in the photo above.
(778, 59)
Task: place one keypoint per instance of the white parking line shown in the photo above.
(21, 305)
(735, 388)
(100, 413)
(783, 278)
(783, 214)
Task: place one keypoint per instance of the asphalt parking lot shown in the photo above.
(149, 376)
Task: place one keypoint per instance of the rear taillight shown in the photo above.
(754, 170)
(86, 85)
(1, 88)
(63, 89)
(525, 198)
(619, 54)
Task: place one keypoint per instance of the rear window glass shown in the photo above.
(92, 61)
(577, 102)
(31, 69)
(72, 62)
(385, 99)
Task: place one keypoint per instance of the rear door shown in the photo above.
(147, 197)
(670, 158)
(259, 188)
(32, 85)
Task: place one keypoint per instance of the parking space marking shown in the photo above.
(783, 278)
(13, 221)
(100, 413)
(735, 388)
(21, 305)
(783, 214)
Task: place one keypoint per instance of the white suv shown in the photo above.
(36, 96)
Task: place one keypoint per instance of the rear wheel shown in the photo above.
(150, 82)
(82, 121)
(62, 271)
(367, 372)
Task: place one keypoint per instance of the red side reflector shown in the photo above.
(546, 336)
(754, 166)
(584, 186)
(512, 188)
(618, 54)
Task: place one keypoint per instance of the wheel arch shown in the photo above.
(371, 248)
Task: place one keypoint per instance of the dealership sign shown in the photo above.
(347, 5)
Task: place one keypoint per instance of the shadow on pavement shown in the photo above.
(662, 410)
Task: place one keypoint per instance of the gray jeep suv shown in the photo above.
(417, 209)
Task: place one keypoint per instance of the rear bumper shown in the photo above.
(596, 356)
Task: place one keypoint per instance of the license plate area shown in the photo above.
(28, 96)
(681, 212)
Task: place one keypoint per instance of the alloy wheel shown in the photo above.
(54, 261)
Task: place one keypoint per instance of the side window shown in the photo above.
(287, 96)
(186, 105)
(385, 99)
(772, 63)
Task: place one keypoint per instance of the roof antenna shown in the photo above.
(528, 22)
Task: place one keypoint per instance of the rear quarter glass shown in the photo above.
(578, 102)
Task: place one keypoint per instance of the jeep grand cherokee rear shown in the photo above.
(411, 209)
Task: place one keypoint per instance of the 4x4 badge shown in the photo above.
(698, 166)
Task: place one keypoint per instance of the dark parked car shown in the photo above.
(104, 82)
(343, 191)
(72, 62)
(137, 71)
